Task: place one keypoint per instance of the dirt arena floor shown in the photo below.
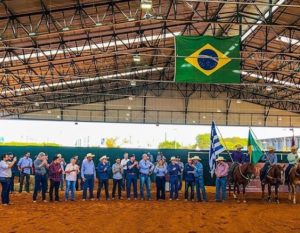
(149, 216)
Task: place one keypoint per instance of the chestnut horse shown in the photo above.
(275, 177)
(241, 175)
(294, 181)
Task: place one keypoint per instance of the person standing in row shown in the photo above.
(88, 175)
(62, 178)
(174, 170)
(40, 180)
(5, 177)
(78, 179)
(55, 172)
(180, 175)
(25, 168)
(160, 171)
(132, 174)
(103, 171)
(221, 178)
(117, 170)
(146, 168)
(14, 173)
(199, 179)
(72, 170)
(189, 179)
(124, 162)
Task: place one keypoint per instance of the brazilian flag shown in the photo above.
(254, 149)
(207, 59)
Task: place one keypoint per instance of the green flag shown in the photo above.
(254, 149)
(207, 59)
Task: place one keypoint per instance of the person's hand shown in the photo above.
(174, 169)
(14, 159)
(83, 179)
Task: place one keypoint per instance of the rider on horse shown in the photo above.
(270, 159)
(292, 159)
(238, 157)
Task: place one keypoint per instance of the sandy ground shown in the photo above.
(149, 216)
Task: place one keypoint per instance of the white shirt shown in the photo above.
(124, 163)
(5, 171)
(72, 176)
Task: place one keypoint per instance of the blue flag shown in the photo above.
(216, 148)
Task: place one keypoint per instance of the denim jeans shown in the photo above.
(27, 182)
(160, 187)
(189, 184)
(179, 182)
(62, 182)
(102, 183)
(200, 187)
(54, 185)
(174, 182)
(40, 184)
(145, 180)
(115, 184)
(70, 186)
(5, 182)
(88, 184)
(124, 182)
(131, 179)
(221, 187)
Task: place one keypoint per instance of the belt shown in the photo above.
(143, 174)
(131, 173)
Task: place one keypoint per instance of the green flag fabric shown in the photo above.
(254, 149)
(207, 59)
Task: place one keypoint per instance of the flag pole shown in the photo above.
(224, 143)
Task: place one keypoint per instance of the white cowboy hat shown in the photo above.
(220, 159)
(173, 158)
(271, 148)
(90, 155)
(59, 155)
(104, 157)
(294, 148)
(196, 158)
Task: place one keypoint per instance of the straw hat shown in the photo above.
(239, 146)
(59, 155)
(271, 148)
(196, 158)
(90, 155)
(103, 157)
(220, 159)
(294, 148)
(173, 158)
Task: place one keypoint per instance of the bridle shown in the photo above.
(245, 177)
(275, 179)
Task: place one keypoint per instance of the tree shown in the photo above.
(169, 145)
(111, 143)
(203, 141)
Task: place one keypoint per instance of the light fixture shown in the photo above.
(259, 122)
(130, 98)
(49, 112)
(36, 104)
(133, 83)
(58, 116)
(279, 118)
(269, 88)
(288, 40)
(136, 58)
(219, 110)
(204, 117)
(130, 19)
(159, 17)
(129, 107)
(238, 101)
(64, 29)
(146, 4)
(194, 122)
(127, 119)
(97, 24)
(32, 34)
(128, 114)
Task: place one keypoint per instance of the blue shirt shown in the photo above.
(237, 156)
(88, 168)
(270, 158)
(146, 167)
(189, 172)
(103, 170)
(133, 169)
(174, 170)
(160, 171)
(24, 163)
(198, 170)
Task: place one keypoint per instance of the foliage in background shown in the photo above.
(169, 145)
(29, 144)
(111, 143)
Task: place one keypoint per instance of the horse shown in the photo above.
(241, 175)
(275, 177)
(294, 181)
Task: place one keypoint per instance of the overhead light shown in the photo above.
(97, 24)
(146, 4)
(219, 110)
(127, 119)
(18, 93)
(279, 118)
(36, 104)
(65, 29)
(130, 19)
(129, 107)
(133, 83)
(269, 88)
(204, 117)
(49, 111)
(128, 114)
(194, 122)
(238, 101)
(288, 40)
(136, 58)
(130, 98)
(159, 17)
(259, 122)
(58, 116)
(32, 34)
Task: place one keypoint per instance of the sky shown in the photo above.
(137, 135)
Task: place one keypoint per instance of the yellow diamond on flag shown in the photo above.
(208, 59)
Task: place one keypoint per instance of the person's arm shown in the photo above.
(82, 171)
(12, 163)
(68, 169)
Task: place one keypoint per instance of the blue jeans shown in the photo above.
(160, 187)
(70, 187)
(174, 182)
(40, 184)
(5, 182)
(189, 184)
(88, 184)
(221, 187)
(131, 178)
(200, 187)
(145, 180)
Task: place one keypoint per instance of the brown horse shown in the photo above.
(241, 175)
(294, 181)
(275, 177)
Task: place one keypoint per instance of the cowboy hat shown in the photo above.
(196, 158)
(220, 159)
(294, 148)
(104, 157)
(239, 146)
(271, 148)
(59, 155)
(90, 155)
(173, 158)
